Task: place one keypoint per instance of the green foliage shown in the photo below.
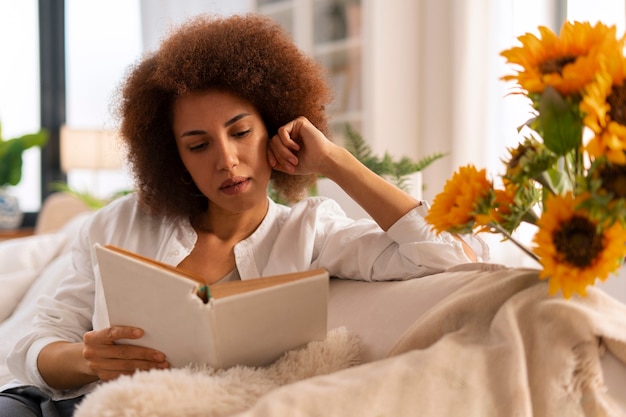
(396, 171)
(559, 122)
(11, 151)
(86, 197)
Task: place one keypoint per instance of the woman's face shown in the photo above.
(222, 142)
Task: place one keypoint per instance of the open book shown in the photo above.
(250, 322)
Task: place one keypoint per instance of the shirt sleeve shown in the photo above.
(409, 249)
(64, 316)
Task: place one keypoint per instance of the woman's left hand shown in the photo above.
(299, 148)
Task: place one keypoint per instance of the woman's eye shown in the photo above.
(242, 133)
(199, 147)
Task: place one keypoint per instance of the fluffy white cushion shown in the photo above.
(208, 392)
(21, 261)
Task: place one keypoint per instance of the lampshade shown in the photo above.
(90, 149)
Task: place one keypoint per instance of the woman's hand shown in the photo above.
(66, 365)
(299, 148)
(108, 360)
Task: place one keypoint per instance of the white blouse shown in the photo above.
(314, 233)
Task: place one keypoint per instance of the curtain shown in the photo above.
(158, 16)
(464, 109)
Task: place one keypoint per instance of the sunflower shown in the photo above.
(528, 161)
(575, 250)
(604, 106)
(606, 184)
(567, 62)
(514, 205)
(465, 195)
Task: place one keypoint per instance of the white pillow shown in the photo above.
(21, 261)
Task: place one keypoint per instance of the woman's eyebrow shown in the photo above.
(234, 119)
(193, 133)
(228, 123)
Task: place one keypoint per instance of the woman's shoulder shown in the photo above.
(313, 205)
(318, 211)
(122, 215)
(121, 208)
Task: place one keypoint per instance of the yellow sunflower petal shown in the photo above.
(563, 274)
(566, 62)
(454, 208)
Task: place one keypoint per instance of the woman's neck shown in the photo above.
(228, 225)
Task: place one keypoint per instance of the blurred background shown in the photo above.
(413, 77)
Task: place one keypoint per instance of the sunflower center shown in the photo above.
(614, 179)
(556, 65)
(617, 101)
(516, 156)
(577, 241)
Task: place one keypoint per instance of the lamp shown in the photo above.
(90, 149)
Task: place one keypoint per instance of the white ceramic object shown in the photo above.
(10, 214)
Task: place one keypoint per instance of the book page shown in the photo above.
(182, 272)
(224, 289)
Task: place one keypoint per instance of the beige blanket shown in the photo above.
(497, 346)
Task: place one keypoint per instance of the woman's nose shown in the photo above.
(227, 155)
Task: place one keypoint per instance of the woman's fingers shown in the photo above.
(108, 359)
(281, 152)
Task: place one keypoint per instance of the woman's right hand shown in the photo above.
(108, 360)
(66, 365)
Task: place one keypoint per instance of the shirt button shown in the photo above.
(176, 252)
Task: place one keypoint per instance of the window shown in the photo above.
(103, 38)
(19, 90)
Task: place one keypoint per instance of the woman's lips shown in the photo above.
(234, 185)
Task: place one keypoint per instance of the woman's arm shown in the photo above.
(300, 148)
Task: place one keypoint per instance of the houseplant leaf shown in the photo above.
(559, 122)
(11, 155)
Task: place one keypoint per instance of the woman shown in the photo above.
(223, 108)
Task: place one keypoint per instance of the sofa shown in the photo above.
(479, 339)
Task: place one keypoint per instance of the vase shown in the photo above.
(10, 214)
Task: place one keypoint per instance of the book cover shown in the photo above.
(250, 322)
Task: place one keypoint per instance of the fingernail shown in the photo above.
(137, 333)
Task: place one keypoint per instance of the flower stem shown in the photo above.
(545, 181)
(517, 243)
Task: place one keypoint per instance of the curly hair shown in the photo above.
(247, 55)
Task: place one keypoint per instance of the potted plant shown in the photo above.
(405, 173)
(11, 151)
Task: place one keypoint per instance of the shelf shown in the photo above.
(281, 12)
(15, 233)
(340, 46)
(347, 117)
(330, 31)
(275, 7)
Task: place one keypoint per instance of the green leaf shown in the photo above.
(396, 171)
(11, 166)
(559, 122)
(559, 181)
(11, 155)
